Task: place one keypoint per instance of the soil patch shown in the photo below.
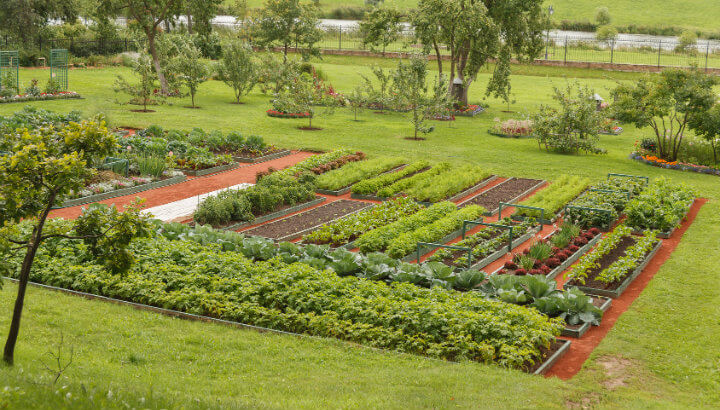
(296, 224)
(616, 369)
(545, 354)
(502, 192)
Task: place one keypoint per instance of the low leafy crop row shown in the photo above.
(373, 185)
(555, 196)
(268, 195)
(417, 179)
(634, 255)
(216, 141)
(611, 195)
(661, 206)
(446, 184)
(203, 280)
(357, 171)
(347, 229)
(313, 162)
(579, 273)
(405, 243)
(379, 239)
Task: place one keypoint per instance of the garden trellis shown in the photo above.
(9, 66)
(59, 67)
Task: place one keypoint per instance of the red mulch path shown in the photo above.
(580, 349)
(193, 186)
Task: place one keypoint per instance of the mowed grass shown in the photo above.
(692, 14)
(669, 335)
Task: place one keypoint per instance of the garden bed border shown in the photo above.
(615, 293)
(447, 238)
(123, 191)
(208, 171)
(550, 361)
(576, 333)
(276, 214)
(503, 251)
(577, 255)
(268, 157)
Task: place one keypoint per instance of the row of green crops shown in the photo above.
(556, 195)
(201, 279)
(417, 179)
(181, 153)
(216, 141)
(407, 242)
(446, 184)
(351, 227)
(268, 195)
(379, 239)
(661, 206)
(373, 185)
(315, 161)
(31, 118)
(611, 195)
(356, 172)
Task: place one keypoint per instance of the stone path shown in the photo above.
(178, 211)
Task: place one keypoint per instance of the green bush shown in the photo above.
(661, 206)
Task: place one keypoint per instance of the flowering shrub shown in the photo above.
(469, 110)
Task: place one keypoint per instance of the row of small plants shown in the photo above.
(554, 197)
(611, 195)
(32, 118)
(270, 194)
(661, 206)
(356, 172)
(180, 154)
(547, 254)
(371, 186)
(234, 143)
(483, 243)
(317, 164)
(346, 230)
(204, 280)
(635, 251)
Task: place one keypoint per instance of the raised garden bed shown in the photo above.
(502, 251)
(345, 190)
(501, 135)
(469, 111)
(577, 331)
(466, 192)
(510, 190)
(263, 157)
(615, 289)
(299, 224)
(277, 214)
(207, 171)
(549, 357)
(447, 238)
(124, 191)
(62, 95)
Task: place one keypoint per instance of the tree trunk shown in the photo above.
(192, 99)
(9, 352)
(156, 62)
(189, 22)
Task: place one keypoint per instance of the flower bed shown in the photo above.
(317, 164)
(676, 165)
(60, 95)
(468, 111)
(614, 264)
(278, 114)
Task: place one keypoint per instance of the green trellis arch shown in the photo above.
(9, 67)
(59, 67)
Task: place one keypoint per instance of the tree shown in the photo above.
(288, 22)
(667, 103)
(380, 27)
(300, 96)
(602, 16)
(410, 85)
(607, 34)
(357, 100)
(237, 68)
(574, 126)
(475, 31)
(24, 18)
(687, 42)
(141, 93)
(44, 167)
(378, 96)
(190, 69)
(499, 85)
(273, 74)
(147, 15)
(707, 126)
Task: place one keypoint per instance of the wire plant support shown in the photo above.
(59, 67)
(9, 69)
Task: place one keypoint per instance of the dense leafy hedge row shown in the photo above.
(661, 206)
(373, 185)
(268, 195)
(554, 196)
(350, 227)
(356, 172)
(201, 279)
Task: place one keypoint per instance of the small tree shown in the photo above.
(273, 74)
(607, 34)
(574, 126)
(190, 69)
(707, 126)
(300, 96)
(357, 100)
(142, 92)
(687, 42)
(237, 68)
(410, 86)
(287, 23)
(602, 16)
(667, 103)
(379, 95)
(380, 27)
(44, 167)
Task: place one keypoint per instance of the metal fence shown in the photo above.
(636, 50)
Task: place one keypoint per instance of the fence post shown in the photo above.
(707, 54)
(612, 51)
(340, 39)
(659, 51)
(565, 56)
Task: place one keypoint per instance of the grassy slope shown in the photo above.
(670, 333)
(693, 14)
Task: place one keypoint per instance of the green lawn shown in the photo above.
(668, 336)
